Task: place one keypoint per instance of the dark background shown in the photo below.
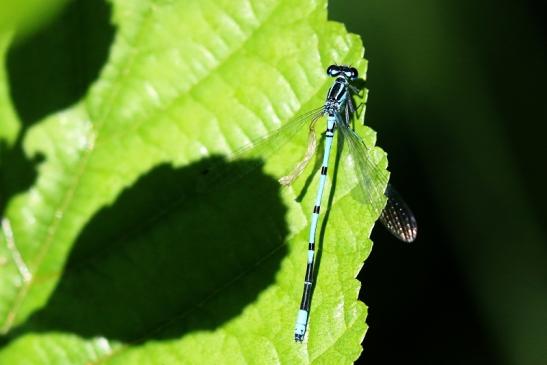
(457, 96)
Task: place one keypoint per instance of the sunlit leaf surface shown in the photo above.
(111, 249)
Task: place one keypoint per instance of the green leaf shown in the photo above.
(110, 252)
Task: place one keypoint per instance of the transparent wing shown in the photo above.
(258, 151)
(266, 145)
(398, 218)
(371, 177)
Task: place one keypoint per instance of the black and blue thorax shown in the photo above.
(337, 97)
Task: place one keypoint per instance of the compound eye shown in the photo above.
(354, 73)
(333, 70)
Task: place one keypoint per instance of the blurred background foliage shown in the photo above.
(28, 15)
(457, 96)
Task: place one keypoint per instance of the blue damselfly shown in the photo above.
(339, 109)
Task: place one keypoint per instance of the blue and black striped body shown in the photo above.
(337, 103)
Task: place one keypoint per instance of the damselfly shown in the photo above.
(339, 109)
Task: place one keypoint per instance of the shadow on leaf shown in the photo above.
(53, 68)
(165, 259)
(49, 71)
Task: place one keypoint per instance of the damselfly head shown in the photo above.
(349, 73)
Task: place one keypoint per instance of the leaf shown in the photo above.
(109, 253)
